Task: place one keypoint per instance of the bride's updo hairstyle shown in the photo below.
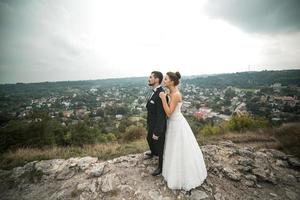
(174, 77)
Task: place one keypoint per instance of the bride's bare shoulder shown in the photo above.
(177, 96)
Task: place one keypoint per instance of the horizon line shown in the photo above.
(110, 78)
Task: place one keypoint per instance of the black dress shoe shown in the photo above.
(188, 193)
(156, 172)
(149, 154)
(148, 157)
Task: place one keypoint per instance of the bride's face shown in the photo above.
(167, 81)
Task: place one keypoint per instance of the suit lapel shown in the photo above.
(158, 90)
(149, 97)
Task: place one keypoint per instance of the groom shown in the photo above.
(156, 121)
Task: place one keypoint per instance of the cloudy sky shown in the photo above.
(58, 40)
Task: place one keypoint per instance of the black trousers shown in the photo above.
(152, 143)
(157, 147)
(160, 144)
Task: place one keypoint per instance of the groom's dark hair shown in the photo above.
(158, 75)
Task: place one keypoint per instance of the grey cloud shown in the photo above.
(258, 16)
(66, 44)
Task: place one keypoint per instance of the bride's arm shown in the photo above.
(169, 109)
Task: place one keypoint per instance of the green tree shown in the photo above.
(82, 134)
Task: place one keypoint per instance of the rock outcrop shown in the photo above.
(233, 173)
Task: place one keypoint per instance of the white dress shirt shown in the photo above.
(154, 90)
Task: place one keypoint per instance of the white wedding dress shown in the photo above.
(183, 163)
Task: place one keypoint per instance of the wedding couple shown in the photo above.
(170, 137)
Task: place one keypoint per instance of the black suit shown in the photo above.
(156, 124)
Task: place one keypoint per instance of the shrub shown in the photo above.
(210, 129)
(13, 135)
(34, 134)
(111, 137)
(82, 134)
(102, 138)
(134, 133)
(236, 123)
(245, 122)
(49, 132)
(289, 138)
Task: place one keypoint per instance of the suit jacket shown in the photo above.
(156, 116)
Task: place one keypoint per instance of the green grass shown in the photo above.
(106, 151)
(285, 138)
(289, 137)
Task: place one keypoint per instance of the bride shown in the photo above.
(183, 164)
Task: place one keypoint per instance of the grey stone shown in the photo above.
(259, 154)
(250, 177)
(227, 143)
(250, 183)
(83, 185)
(291, 194)
(96, 170)
(289, 179)
(126, 189)
(294, 162)
(281, 163)
(128, 177)
(154, 195)
(144, 174)
(245, 153)
(244, 169)
(231, 174)
(264, 175)
(198, 195)
(17, 172)
(218, 196)
(109, 183)
(49, 167)
(84, 162)
(245, 162)
(273, 194)
(278, 154)
(66, 173)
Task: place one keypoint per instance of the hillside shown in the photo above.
(234, 172)
(238, 79)
(249, 79)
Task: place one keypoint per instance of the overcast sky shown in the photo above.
(58, 40)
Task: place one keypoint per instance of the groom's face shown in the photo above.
(152, 80)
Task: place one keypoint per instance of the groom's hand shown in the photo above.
(155, 137)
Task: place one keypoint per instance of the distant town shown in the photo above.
(108, 102)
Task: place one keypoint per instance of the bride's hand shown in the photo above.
(162, 95)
